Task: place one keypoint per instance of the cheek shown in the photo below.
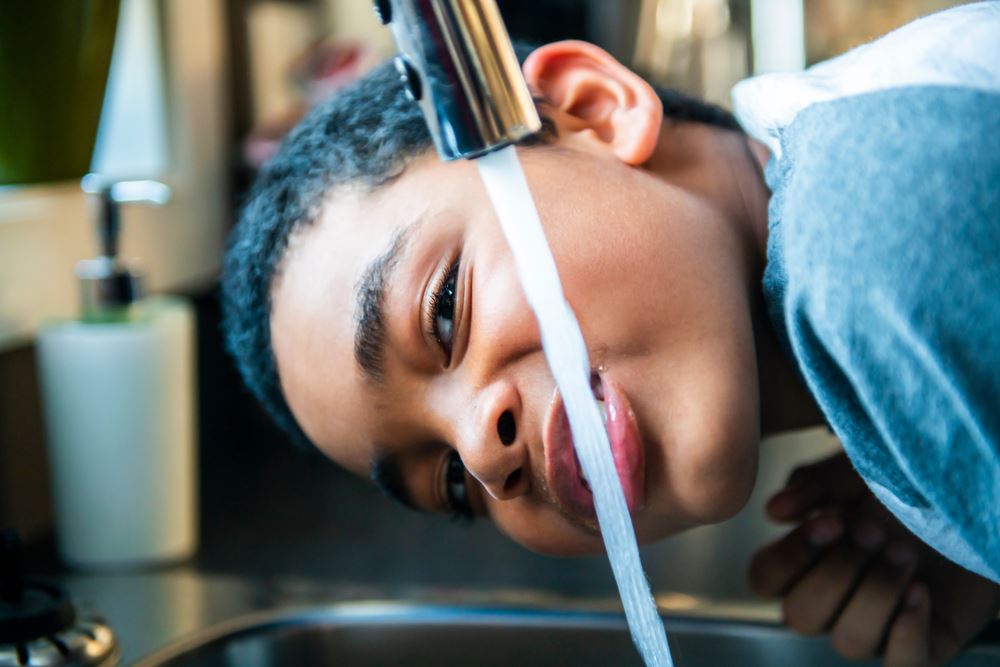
(719, 471)
(723, 428)
(676, 325)
(623, 263)
(501, 318)
(706, 419)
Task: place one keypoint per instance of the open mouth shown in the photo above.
(597, 387)
(563, 471)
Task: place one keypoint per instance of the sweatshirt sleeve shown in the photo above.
(884, 275)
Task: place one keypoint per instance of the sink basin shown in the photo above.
(389, 633)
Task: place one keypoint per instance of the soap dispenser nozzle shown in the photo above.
(107, 286)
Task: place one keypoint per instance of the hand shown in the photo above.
(851, 569)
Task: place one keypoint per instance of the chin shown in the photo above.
(717, 473)
(720, 509)
(711, 491)
(722, 496)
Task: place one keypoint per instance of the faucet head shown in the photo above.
(457, 63)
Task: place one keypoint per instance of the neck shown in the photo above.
(785, 402)
(727, 168)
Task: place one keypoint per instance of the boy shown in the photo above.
(405, 351)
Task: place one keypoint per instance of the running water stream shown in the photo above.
(566, 353)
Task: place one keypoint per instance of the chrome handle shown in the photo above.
(458, 64)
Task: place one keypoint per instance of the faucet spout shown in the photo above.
(458, 64)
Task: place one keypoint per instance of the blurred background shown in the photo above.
(198, 94)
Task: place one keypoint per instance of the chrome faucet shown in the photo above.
(457, 63)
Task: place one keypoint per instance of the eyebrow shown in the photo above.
(370, 331)
(388, 477)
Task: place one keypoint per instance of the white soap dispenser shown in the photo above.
(118, 392)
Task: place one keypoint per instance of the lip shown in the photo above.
(562, 468)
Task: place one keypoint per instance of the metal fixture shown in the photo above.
(107, 286)
(457, 63)
(527, 634)
(38, 623)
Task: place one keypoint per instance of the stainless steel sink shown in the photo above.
(387, 633)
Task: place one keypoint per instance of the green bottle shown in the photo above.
(54, 61)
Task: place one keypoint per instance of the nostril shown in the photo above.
(512, 481)
(506, 428)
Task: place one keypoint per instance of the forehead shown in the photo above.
(314, 304)
(312, 312)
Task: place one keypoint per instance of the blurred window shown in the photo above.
(836, 26)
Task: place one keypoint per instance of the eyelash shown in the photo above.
(455, 474)
(435, 305)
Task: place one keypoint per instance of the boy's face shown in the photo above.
(655, 269)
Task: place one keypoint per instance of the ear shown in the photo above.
(600, 98)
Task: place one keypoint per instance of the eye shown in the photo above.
(456, 491)
(442, 310)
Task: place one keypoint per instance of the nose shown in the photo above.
(493, 448)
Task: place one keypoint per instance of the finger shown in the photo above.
(802, 490)
(819, 468)
(794, 502)
(808, 487)
(861, 626)
(963, 603)
(777, 566)
(811, 605)
(868, 534)
(907, 644)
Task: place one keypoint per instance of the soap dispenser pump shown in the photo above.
(108, 288)
(118, 394)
